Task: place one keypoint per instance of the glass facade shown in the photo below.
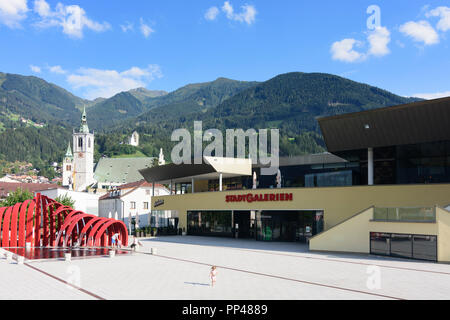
(317, 175)
(421, 214)
(421, 247)
(164, 219)
(210, 223)
(288, 226)
(423, 163)
(405, 164)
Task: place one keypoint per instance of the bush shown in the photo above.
(17, 196)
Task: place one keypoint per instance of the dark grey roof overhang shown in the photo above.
(418, 122)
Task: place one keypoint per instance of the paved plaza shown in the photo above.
(247, 270)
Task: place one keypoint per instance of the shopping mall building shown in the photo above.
(383, 188)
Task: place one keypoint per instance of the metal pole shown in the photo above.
(370, 166)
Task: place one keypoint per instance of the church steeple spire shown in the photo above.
(84, 126)
(69, 152)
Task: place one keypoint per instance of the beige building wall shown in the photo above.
(443, 217)
(349, 236)
(338, 203)
(353, 234)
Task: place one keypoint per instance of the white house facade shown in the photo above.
(133, 200)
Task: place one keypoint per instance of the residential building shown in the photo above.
(132, 199)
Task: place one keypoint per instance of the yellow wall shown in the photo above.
(352, 235)
(338, 203)
(349, 236)
(443, 217)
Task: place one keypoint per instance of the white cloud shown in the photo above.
(343, 51)
(72, 19)
(248, 14)
(106, 83)
(35, 69)
(12, 12)
(379, 40)
(444, 14)
(429, 96)
(127, 27)
(145, 29)
(420, 31)
(228, 9)
(212, 13)
(57, 69)
(42, 8)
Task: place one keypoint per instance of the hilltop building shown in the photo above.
(161, 160)
(134, 139)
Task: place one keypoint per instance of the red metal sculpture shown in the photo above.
(43, 222)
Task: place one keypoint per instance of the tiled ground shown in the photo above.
(246, 270)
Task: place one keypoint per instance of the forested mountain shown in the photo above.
(37, 100)
(290, 102)
(113, 110)
(188, 99)
(143, 94)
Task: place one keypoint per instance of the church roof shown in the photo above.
(121, 170)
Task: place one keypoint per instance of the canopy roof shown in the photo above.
(412, 123)
(211, 168)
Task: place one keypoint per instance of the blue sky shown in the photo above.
(98, 48)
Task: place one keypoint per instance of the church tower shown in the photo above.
(67, 168)
(83, 158)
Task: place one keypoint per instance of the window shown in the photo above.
(145, 205)
(68, 167)
(209, 223)
(422, 247)
(89, 142)
(132, 205)
(80, 142)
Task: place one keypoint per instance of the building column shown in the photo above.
(151, 204)
(220, 182)
(192, 183)
(370, 166)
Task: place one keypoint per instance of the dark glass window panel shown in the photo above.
(209, 223)
(401, 245)
(379, 243)
(425, 247)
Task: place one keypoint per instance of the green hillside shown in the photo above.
(37, 100)
(188, 99)
(290, 102)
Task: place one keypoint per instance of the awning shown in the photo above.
(413, 123)
(210, 169)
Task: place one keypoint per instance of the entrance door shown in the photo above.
(242, 221)
(263, 227)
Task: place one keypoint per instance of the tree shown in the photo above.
(17, 196)
(65, 200)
